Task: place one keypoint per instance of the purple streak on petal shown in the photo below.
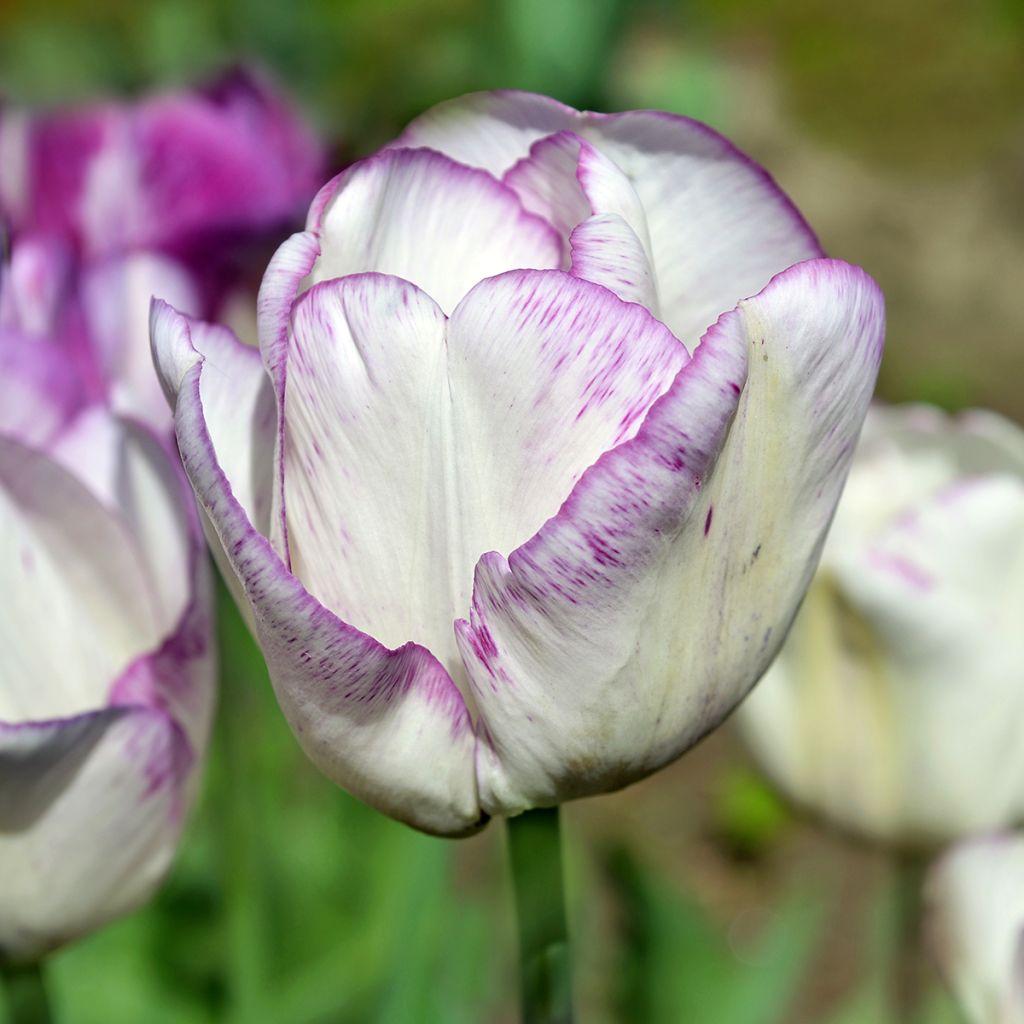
(331, 680)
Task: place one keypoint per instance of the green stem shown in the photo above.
(27, 1002)
(535, 848)
(906, 958)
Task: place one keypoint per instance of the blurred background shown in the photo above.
(697, 896)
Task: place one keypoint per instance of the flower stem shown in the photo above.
(27, 1002)
(535, 848)
(907, 982)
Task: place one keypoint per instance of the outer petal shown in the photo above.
(975, 924)
(420, 216)
(388, 725)
(90, 812)
(412, 444)
(643, 612)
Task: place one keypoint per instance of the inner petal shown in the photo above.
(419, 215)
(414, 444)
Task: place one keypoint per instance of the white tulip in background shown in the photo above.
(106, 641)
(896, 708)
(974, 899)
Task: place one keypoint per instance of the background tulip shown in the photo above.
(180, 194)
(975, 902)
(503, 541)
(895, 708)
(107, 673)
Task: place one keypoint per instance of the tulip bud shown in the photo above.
(896, 707)
(526, 487)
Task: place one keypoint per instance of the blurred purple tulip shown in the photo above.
(182, 195)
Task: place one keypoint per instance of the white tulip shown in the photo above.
(896, 707)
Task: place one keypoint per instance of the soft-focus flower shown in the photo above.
(176, 173)
(975, 926)
(106, 678)
(172, 195)
(896, 706)
(503, 541)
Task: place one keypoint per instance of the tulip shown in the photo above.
(512, 523)
(895, 709)
(107, 674)
(179, 173)
(975, 924)
(110, 204)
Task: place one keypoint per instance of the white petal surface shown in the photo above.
(720, 227)
(412, 445)
(640, 615)
(90, 812)
(974, 898)
(491, 130)
(420, 216)
(80, 605)
(390, 726)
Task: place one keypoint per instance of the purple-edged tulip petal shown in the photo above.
(640, 615)
(719, 225)
(448, 439)
(895, 707)
(606, 250)
(974, 899)
(390, 725)
(90, 811)
(420, 216)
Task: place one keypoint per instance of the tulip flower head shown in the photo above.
(525, 488)
(896, 707)
(975, 926)
(163, 195)
(107, 674)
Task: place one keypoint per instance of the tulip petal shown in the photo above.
(491, 130)
(83, 608)
(389, 725)
(606, 250)
(421, 216)
(412, 445)
(90, 811)
(116, 294)
(719, 225)
(635, 620)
